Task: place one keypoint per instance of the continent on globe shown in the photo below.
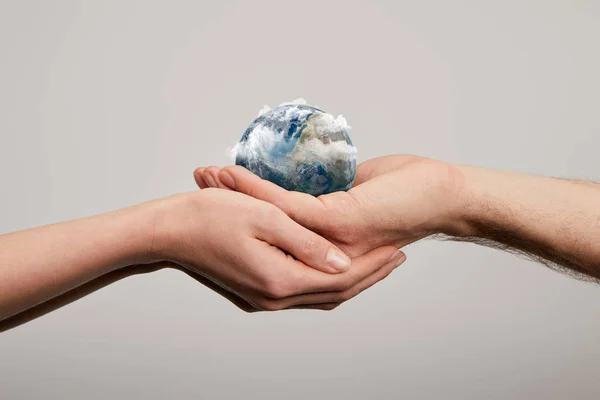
(300, 148)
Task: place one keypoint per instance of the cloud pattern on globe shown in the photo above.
(300, 148)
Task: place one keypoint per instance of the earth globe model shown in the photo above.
(300, 148)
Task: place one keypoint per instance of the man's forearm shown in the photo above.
(553, 219)
(41, 263)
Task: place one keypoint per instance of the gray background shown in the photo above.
(109, 103)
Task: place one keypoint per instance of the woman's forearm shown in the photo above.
(39, 264)
(551, 219)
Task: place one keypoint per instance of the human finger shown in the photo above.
(310, 281)
(279, 230)
(325, 300)
(199, 178)
(211, 176)
(303, 208)
(344, 295)
(380, 165)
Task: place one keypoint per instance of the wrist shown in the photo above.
(450, 187)
(171, 217)
(133, 230)
(473, 203)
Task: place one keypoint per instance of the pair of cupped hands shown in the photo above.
(266, 248)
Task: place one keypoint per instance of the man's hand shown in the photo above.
(396, 200)
(400, 199)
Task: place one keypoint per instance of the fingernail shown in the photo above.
(338, 260)
(227, 179)
(401, 260)
(210, 181)
(198, 176)
(398, 256)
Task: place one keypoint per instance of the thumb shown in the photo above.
(302, 243)
(303, 208)
(374, 167)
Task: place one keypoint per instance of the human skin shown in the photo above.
(400, 199)
(246, 249)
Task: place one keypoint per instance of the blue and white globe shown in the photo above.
(299, 148)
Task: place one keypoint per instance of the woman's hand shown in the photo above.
(240, 243)
(243, 248)
(396, 200)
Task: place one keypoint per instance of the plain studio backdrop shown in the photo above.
(105, 104)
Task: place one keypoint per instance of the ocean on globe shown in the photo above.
(300, 148)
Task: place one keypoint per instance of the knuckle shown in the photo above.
(339, 286)
(250, 191)
(274, 288)
(267, 305)
(346, 283)
(264, 304)
(350, 294)
(353, 279)
(309, 244)
(343, 296)
(291, 204)
(231, 169)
